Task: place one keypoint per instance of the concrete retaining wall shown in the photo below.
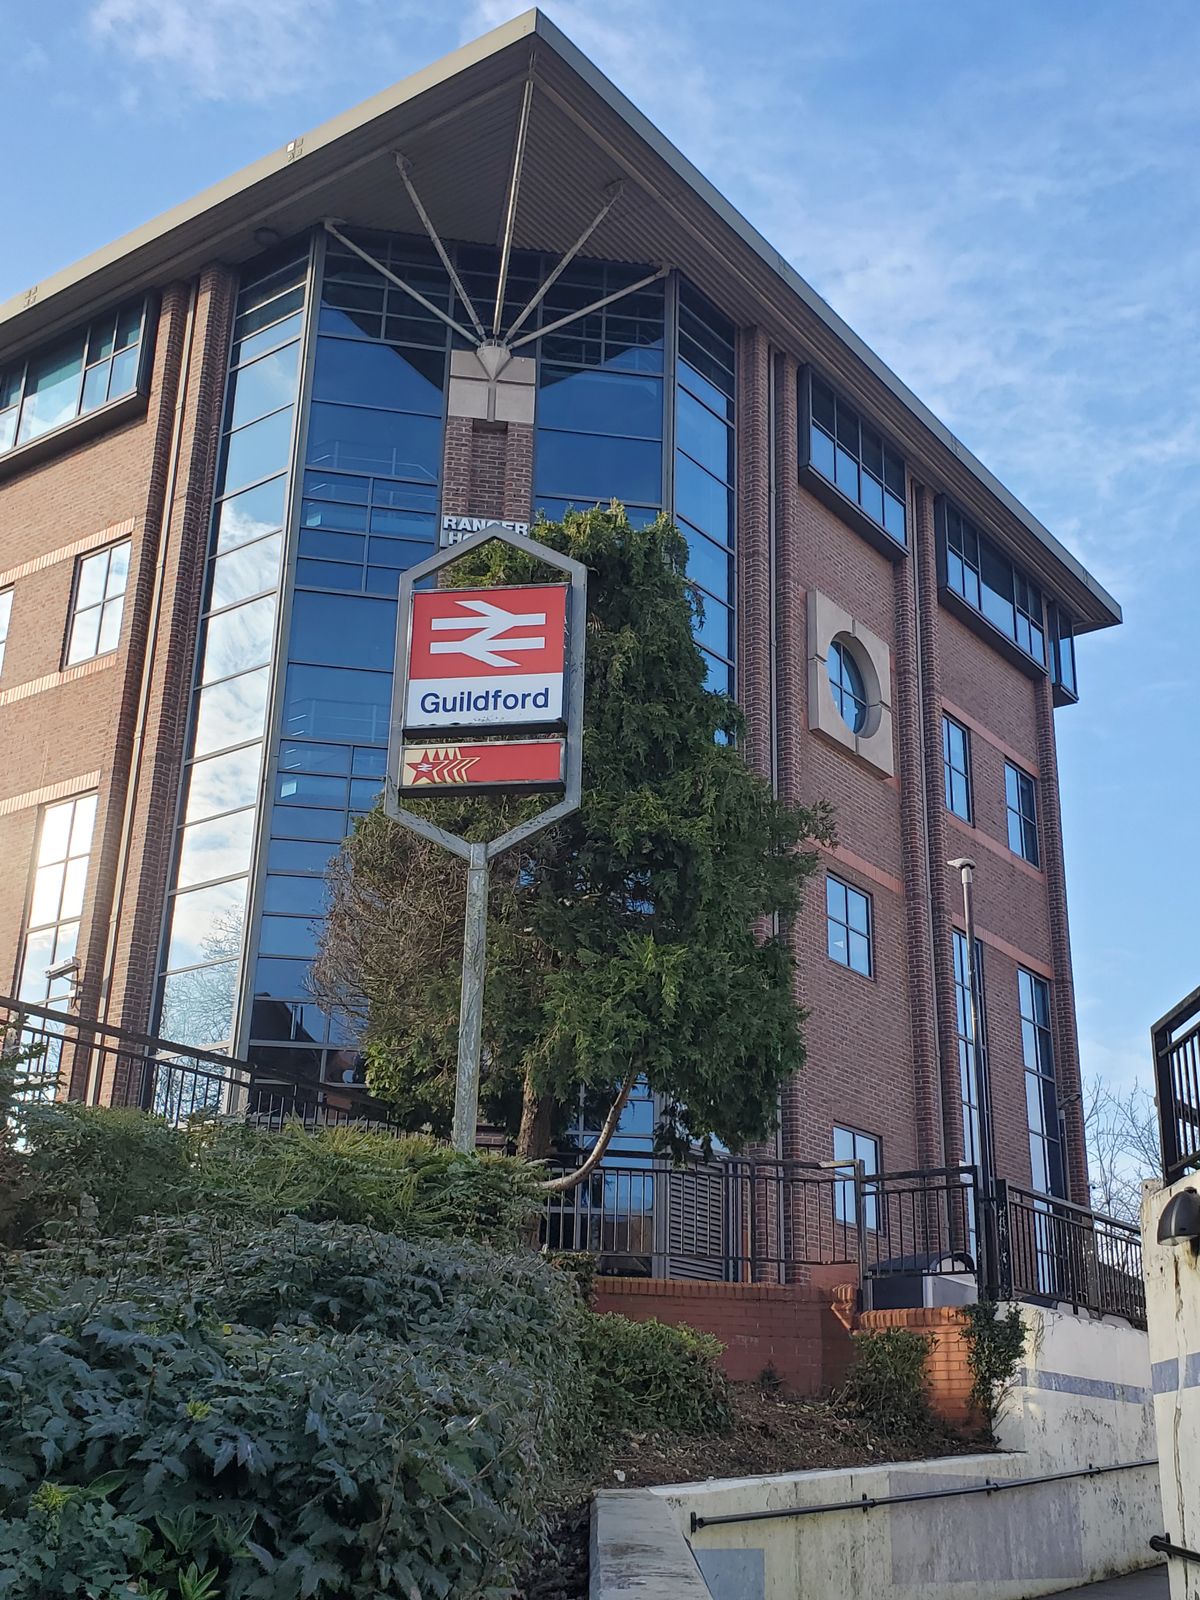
(1083, 1398)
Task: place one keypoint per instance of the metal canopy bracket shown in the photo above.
(478, 854)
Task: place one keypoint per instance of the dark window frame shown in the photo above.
(949, 769)
(75, 610)
(874, 1218)
(1026, 820)
(1043, 1069)
(964, 551)
(850, 507)
(848, 928)
(107, 414)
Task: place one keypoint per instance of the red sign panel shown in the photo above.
(508, 764)
(486, 657)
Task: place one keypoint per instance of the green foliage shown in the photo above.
(579, 1265)
(308, 1409)
(886, 1386)
(104, 1166)
(623, 940)
(995, 1347)
(101, 1169)
(652, 1375)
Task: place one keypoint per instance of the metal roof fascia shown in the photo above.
(749, 234)
(268, 166)
(536, 24)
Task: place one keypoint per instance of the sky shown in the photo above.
(999, 197)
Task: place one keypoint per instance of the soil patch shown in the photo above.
(772, 1432)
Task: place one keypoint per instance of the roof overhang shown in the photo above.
(456, 121)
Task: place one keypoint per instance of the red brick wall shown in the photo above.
(789, 1328)
(947, 1366)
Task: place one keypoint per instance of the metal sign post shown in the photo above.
(501, 663)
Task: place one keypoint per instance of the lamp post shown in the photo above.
(965, 866)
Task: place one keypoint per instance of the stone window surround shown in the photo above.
(827, 623)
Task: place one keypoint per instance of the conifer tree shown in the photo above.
(642, 938)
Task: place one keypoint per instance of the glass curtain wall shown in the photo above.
(366, 508)
(705, 458)
(600, 395)
(372, 464)
(207, 908)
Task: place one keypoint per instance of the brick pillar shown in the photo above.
(791, 680)
(518, 472)
(146, 526)
(907, 714)
(185, 528)
(1062, 994)
(925, 552)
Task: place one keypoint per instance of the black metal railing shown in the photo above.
(68, 1055)
(736, 1219)
(731, 1218)
(1054, 1251)
(1176, 1044)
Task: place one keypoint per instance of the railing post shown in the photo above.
(860, 1224)
(1001, 1288)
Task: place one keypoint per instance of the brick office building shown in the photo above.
(223, 437)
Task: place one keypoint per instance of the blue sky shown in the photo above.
(1000, 198)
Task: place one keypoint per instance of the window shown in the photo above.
(1041, 1095)
(850, 1145)
(981, 574)
(956, 767)
(1020, 796)
(704, 472)
(6, 598)
(1062, 656)
(848, 913)
(851, 455)
(98, 602)
(969, 1059)
(81, 373)
(849, 687)
(56, 899)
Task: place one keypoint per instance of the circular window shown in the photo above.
(849, 688)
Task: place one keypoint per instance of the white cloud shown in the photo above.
(220, 49)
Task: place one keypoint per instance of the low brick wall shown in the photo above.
(791, 1328)
(947, 1366)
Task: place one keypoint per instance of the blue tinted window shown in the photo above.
(337, 703)
(703, 499)
(265, 385)
(709, 564)
(848, 922)
(298, 855)
(991, 583)
(251, 515)
(296, 896)
(593, 466)
(851, 454)
(258, 450)
(344, 631)
(849, 689)
(600, 402)
(352, 438)
(706, 438)
(379, 375)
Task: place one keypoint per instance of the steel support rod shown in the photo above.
(404, 168)
(510, 215)
(386, 272)
(470, 1015)
(612, 195)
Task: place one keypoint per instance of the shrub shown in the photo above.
(106, 1168)
(308, 1409)
(886, 1386)
(651, 1375)
(995, 1345)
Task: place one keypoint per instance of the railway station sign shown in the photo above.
(486, 658)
